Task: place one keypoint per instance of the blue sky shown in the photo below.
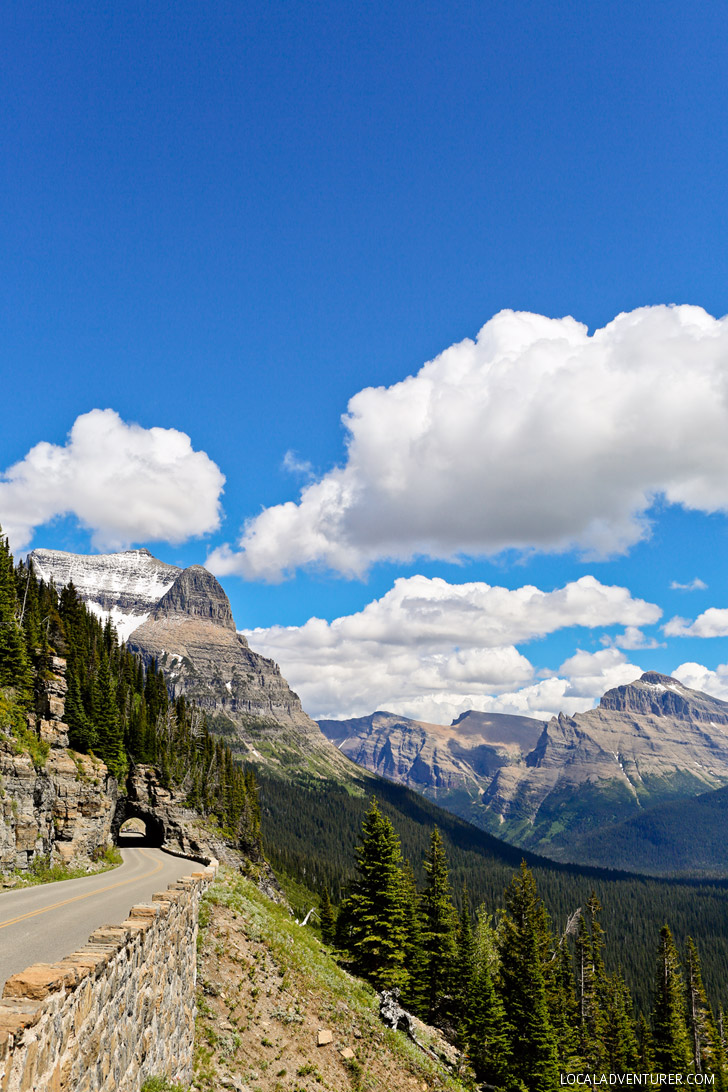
(228, 220)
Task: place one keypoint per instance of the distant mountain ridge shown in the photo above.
(552, 788)
(646, 743)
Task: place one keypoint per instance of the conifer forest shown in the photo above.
(531, 1006)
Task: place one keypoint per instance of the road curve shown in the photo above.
(45, 923)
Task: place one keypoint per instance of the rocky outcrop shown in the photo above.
(116, 1012)
(191, 635)
(195, 593)
(170, 823)
(124, 587)
(181, 619)
(61, 806)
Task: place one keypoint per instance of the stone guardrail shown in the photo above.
(117, 1011)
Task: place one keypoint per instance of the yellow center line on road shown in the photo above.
(90, 894)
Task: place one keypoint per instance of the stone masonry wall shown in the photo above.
(114, 1013)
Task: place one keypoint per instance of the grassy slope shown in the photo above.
(266, 987)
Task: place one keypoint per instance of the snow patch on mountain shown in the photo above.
(123, 623)
(125, 586)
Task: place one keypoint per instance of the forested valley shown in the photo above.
(528, 1003)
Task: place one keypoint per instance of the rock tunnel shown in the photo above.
(154, 829)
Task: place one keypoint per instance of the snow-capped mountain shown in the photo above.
(124, 586)
(180, 620)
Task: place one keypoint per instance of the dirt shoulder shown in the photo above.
(268, 989)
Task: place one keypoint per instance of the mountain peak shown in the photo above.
(654, 678)
(663, 696)
(196, 594)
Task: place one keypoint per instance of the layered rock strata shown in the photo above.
(191, 635)
(547, 786)
(181, 619)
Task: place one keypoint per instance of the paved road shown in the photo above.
(45, 923)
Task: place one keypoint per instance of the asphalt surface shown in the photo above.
(45, 923)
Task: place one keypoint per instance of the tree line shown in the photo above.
(529, 1004)
(114, 708)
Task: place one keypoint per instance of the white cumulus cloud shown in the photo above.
(536, 435)
(431, 649)
(123, 482)
(632, 638)
(713, 622)
(590, 674)
(698, 677)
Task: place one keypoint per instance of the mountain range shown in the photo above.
(552, 787)
(582, 788)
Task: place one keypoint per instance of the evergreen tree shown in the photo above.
(107, 722)
(672, 1046)
(645, 1045)
(439, 933)
(327, 918)
(81, 734)
(565, 1011)
(590, 987)
(414, 992)
(488, 1041)
(15, 666)
(375, 907)
(703, 1033)
(465, 968)
(523, 941)
(620, 1046)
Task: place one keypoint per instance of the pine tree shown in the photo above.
(414, 992)
(439, 933)
(619, 1035)
(524, 939)
(672, 1048)
(564, 1010)
(465, 968)
(107, 722)
(488, 1040)
(703, 1032)
(81, 734)
(591, 986)
(645, 1045)
(376, 928)
(15, 666)
(327, 918)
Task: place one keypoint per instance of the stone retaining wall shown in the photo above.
(114, 1013)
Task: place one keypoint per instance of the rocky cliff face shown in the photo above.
(62, 810)
(191, 635)
(650, 741)
(124, 586)
(182, 620)
(546, 787)
(445, 763)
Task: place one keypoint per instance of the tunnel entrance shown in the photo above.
(136, 826)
